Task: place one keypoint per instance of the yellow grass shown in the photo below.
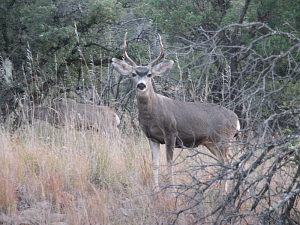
(50, 175)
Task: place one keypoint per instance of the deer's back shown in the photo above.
(77, 115)
(88, 116)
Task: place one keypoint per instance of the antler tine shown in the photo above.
(125, 53)
(161, 54)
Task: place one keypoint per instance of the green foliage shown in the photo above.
(278, 14)
(295, 142)
(54, 28)
(188, 17)
(49, 42)
(178, 17)
(286, 132)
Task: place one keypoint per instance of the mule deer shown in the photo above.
(79, 116)
(174, 123)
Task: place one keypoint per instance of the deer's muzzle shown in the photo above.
(141, 86)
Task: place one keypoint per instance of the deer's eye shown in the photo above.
(149, 75)
(133, 74)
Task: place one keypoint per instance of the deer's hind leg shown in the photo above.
(221, 152)
(218, 150)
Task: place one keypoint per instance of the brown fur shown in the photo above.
(189, 124)
(77, 115)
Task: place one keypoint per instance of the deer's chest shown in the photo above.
(154, 132)
(155, 128)
(152, 128)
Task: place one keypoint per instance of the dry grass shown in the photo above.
(50, 175)
(65, 176)
(77, 177)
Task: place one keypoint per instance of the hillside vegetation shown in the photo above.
(243, 55)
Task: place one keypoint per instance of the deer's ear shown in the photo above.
(162, 68)
(121, 66)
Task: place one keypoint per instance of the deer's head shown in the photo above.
(141, 75)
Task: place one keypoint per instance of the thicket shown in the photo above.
(240, 54)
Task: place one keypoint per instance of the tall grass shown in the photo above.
(77, 177)
(50, 175)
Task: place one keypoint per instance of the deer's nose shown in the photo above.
(141, 86)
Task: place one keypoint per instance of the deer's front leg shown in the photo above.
(155, 159)
(170, 140)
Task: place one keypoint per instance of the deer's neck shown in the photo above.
(147, 100)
